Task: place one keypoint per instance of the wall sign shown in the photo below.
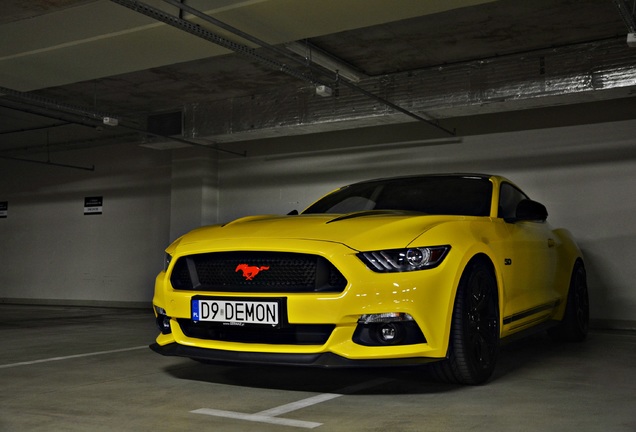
(93, 205)
(4, 209)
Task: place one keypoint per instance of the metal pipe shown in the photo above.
(55, 105)
(628, 17)
(41, 111)
(8, 132)
(52, 105)
(246, 51)
(248, 37)
(195, 30)
(91, 168)
(335, 76)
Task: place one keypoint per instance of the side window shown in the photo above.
(509, 197)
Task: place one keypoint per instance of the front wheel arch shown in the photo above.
(473, 345)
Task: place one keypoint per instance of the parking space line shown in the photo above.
(270, 415)
(257, 418)
(294, 406)
(52, 359)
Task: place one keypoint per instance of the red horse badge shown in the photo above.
(249, 272)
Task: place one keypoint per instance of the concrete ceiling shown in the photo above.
(440, 68)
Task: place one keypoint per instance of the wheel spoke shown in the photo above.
(482, 349)
(482, 321)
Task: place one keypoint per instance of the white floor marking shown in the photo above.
(257, 418)
(294, 406)
(270, 415)
(52, 359)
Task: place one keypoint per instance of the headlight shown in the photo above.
(166, 261)
(403, 260)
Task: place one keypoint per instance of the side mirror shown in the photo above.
(528, 210)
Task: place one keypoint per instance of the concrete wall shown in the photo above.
(51, 252)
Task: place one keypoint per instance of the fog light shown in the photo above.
(384, 329)
(163, 320)
(388, 332)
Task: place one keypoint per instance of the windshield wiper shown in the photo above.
(365, 213)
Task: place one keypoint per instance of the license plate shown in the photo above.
(236, 311)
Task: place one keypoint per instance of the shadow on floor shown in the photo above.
(514, 358)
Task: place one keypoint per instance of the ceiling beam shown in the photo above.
(307, 75)
(35, 53)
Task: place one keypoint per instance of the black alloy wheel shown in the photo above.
(474, 339)
(576, 320)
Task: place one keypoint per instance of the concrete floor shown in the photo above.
(89, 369)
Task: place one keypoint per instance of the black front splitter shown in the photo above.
(325, 360)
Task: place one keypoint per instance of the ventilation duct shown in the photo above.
(569, 75)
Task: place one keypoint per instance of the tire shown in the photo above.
(576, 319)
(474, 338)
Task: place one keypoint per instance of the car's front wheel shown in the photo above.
(474, 338)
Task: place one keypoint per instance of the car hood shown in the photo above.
(360, 231)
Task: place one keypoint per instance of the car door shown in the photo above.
(530, 264)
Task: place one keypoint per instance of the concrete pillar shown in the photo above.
(194, 196)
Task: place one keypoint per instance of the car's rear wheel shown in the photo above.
(576, 320)
(474, 338)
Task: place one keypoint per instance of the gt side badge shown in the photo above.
(508, 261)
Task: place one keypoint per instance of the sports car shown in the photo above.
(435, 269)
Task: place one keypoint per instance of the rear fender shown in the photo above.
(568, 254)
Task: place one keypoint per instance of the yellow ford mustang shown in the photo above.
(398, 271)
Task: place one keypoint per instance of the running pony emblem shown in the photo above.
(249, 272)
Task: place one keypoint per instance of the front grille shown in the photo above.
(256, 272)
(298, 334)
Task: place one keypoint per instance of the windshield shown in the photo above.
(438, 195)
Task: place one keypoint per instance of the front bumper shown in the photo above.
(426, 295)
